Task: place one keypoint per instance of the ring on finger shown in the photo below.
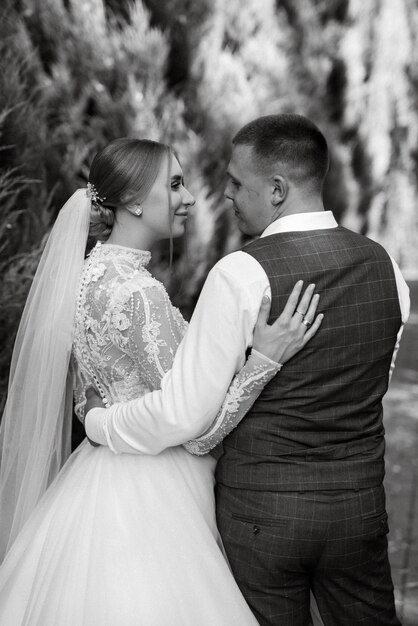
(306, 322)
(300, 313)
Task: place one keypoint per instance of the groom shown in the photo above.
(300, 500)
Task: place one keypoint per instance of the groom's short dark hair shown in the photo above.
(287, 139)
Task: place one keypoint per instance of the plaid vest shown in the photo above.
(318, 423)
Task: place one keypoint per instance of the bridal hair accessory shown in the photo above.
(35, 431)
(91, 193)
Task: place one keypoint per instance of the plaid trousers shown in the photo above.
(282, 544)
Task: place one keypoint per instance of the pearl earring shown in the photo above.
(138, 211)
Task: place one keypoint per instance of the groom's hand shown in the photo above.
(94, 401)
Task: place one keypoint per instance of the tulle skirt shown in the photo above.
(123, 540)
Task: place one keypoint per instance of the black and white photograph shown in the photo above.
(208, 313)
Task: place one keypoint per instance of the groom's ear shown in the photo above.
(279, 190)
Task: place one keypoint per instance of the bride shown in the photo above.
(115, 539)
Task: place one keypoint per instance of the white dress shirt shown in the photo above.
(212, 351)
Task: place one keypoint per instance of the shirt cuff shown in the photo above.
(93, 425)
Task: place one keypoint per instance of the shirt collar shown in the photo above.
(316, 220)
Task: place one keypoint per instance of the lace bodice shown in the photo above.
(126, 336)
(126, 329)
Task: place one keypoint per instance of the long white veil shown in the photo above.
(35, 432)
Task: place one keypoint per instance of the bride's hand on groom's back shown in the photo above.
(292, 330)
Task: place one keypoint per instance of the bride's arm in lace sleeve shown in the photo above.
(258, 370)
(242, 393)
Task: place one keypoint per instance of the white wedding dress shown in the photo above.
(128, 540)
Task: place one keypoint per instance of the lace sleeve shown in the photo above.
(242, 393)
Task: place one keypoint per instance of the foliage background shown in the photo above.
(75, 74)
